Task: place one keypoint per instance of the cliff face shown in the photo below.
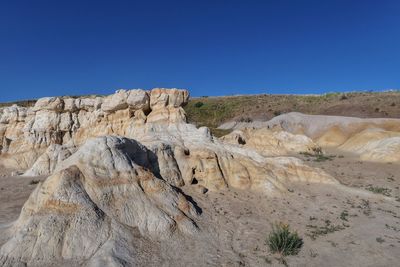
(25, 133)
(115, 164)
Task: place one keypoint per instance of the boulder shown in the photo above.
(49, 103)
(161, 97)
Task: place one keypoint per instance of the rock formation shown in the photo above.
(115, 166)
(106, 187)
(25, 133)
(271, 142)
(370, 139)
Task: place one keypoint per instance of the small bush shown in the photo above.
(344, 215)
(323, 230)
(245, 119)
(318, 155)
(34, 182)
(317, 151)
(199, 104)
(321, 157)
(283, 241)
(379, 190)
(277, 113)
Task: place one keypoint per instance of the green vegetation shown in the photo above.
(365, 207)
(344, 215)
(323, 230)
(214, 111)
(283, 241)
(199, 104)
(379, 190)
(277, 113)
(320, 158)
(318, 155)
(245, 119)
(22, 103)
(211, 112)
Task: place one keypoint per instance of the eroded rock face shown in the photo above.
(104, 187)
(372, 139)
(55, 120)
(181, 153)
(271, 142)
(115, 166)
(374, 144)
(48, 161)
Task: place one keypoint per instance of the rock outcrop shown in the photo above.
(271, 142)
(104, 189)
(116, 165)
(371, 139)
(55, 120)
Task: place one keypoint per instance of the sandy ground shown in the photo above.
(341, 225)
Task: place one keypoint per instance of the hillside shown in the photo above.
(213, 111)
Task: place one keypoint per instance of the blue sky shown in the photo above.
(210, 47)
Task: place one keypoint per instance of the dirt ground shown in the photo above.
(346, 225)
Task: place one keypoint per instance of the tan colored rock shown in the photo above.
(371, 139)
(90, 200)
(374, 145)
(115, 101)
(103, 188)
(271, 142)
(55, 120)
(138, 100)
(161, 97)
(122, 99)
(13, 114)
(70, 104)
(167, 115)
(48, 161)
(49, 103)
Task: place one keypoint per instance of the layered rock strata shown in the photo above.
(117, 167)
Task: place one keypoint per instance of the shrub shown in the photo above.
(198, 104)
(34, 182)
(321, 157)
(317, 151)
(323, 230)
(379, 190)
(344, 215)
(245, 119)
(283, 241)
(277, 113)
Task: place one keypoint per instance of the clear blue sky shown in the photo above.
(210, 47)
